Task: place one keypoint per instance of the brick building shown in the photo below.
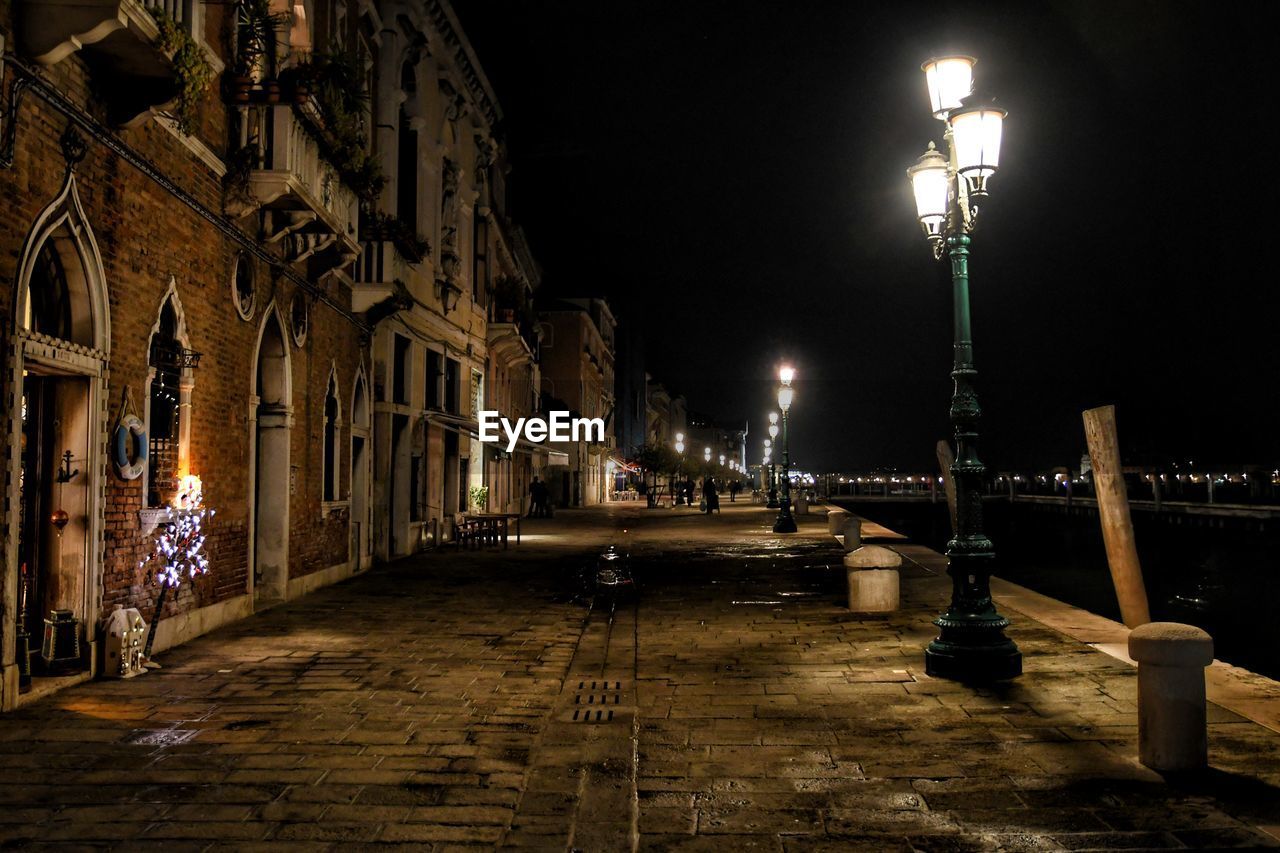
(181, 221)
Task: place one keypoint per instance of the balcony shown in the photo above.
(305, 206)
(118, 39)
(510, 341)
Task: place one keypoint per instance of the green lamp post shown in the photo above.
(971, 645)
(785, 522)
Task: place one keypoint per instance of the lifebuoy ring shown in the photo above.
(131, 434)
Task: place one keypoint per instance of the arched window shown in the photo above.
(330, 470)
(168, 402)
(49, 306)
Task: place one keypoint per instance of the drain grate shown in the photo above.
(161, 737)
(596, 701)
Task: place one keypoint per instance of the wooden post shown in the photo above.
(945, 457)
(1113, 513)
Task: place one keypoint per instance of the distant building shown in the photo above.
(578, 375)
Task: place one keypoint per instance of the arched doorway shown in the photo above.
(361, 540)
(272, 414)
(61, 342)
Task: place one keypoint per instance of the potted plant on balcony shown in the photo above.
(255, 48)
(337, 82)
(192, 73)
(377, 225)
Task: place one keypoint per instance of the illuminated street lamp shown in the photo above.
(766, 481)
(971, 645)
(773, 474)
(785, 522)
(680, 473)
(706, 454)
(721, 460)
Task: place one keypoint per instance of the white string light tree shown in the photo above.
(178, 551)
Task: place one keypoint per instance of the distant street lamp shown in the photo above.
(706, 454)
(680, 473)
(971, 645)
(785, 522)
(766, 478)
(773, 473)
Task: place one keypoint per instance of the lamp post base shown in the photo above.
(975, 661)
(784, 524)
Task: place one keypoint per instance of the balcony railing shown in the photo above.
(307, 204)
(379, 263)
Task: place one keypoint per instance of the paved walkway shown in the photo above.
(438, 702)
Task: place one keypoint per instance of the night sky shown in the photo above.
(731, 175)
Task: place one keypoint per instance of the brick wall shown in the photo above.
(146, 238)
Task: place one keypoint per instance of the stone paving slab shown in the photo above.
(428, 705)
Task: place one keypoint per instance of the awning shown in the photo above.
(624, 464)
(460, 424)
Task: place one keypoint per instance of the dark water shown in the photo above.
(1223, 579)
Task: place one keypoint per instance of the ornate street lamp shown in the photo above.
(706, 454)
(971, 645)
(773, 473)
(785, 523)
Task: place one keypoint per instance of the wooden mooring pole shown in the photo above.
(1113, 513)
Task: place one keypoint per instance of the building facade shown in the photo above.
(177, 302)
(446, 279)
(263, 244)
(578, 377)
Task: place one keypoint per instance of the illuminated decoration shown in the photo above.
(190, 492)
(178, 552)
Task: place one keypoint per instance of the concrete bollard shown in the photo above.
(852, 534)
(873, 579)
(835, 520)
(801, 506)
(1171, 705)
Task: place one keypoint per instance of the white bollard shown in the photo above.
(852, 534)
(801, 506)
(1171, 704)
(873, 579)
(835, 520)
